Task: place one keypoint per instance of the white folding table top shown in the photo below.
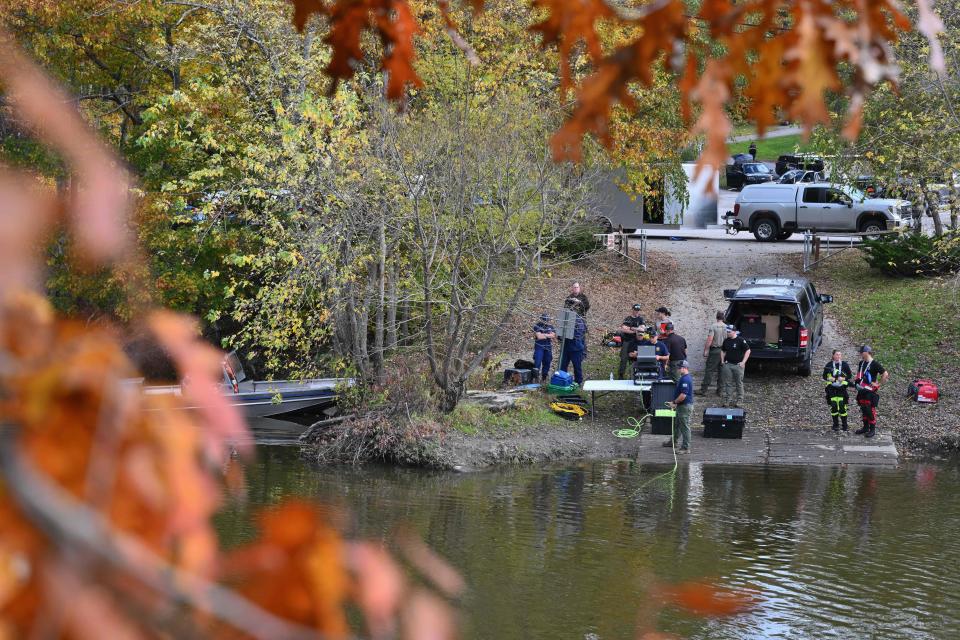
(615, 385)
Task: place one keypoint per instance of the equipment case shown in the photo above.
(720, 422)
(661, 392)
(518, 376)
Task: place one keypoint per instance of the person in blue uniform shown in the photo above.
(544, 335)
(683, 404)
(574, 350)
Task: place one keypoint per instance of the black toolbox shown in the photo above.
(720, 422)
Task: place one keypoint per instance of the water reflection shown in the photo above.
(574, 550)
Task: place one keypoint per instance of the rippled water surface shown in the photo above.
(572, 551)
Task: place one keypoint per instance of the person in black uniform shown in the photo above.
(870, 377)
(630, 331)
(837, 376)
(577, 300)
(734, 354)
(677, 346)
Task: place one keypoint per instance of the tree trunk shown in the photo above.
(933, 210)
(954, 206)
(391, 343)
(453, 390)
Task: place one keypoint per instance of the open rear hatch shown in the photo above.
(771, 327)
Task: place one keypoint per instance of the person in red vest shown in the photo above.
(869, 378)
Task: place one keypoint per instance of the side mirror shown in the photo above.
(729, 293)
(826, 299)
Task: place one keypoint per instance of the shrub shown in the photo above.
(914, 255)
(579, 240)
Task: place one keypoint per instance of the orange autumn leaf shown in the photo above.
(299, 550)
(706, 599)
(811, 70)
(568, 23)
(397, 28)
(609, 84)
(303, 9)
(379, 586)
(393, 21)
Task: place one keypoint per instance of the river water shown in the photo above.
(574, 550)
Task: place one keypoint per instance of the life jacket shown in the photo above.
(568, 410)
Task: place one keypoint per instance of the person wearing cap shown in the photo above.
(869, 378)
(544, 335)
(577, 299)
(662, 352)
(683, 404)
(663, 317)
(734, 354)
(630, 331)
(677, 346)
(837, 376)
(716, 334)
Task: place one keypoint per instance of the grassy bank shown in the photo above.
(912, 324)
(768, 150)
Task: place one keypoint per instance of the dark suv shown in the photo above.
(781, 318)
(740, 174)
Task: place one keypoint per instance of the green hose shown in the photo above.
(671, 474)
(635, 423)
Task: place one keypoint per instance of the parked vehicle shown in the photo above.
(264, 398)
(870, 186)
(742, 174)
(781, 319)
(800, 175)
(774, 211)
(798, 161)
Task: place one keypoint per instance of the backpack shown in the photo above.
(923, 390)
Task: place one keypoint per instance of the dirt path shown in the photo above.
(776, 397)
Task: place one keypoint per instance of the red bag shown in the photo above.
(923, 390)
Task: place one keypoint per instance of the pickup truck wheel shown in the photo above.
(872, 226)
(766, 230)
(783, 235)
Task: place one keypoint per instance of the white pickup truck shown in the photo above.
(774, 211)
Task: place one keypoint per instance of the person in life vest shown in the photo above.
(869, 378)
(837, 376)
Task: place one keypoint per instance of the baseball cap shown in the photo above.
(684, 364)
(637, 307)
(865, 349)
(730, 327)
(663, 310)
(668, 326)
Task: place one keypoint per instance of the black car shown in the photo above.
(798, 161)
(741, 174)
(800, 175)
(781, 318)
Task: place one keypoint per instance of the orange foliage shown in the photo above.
(107, 492)
(800, 45)
(708, 600)
(295, 570)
